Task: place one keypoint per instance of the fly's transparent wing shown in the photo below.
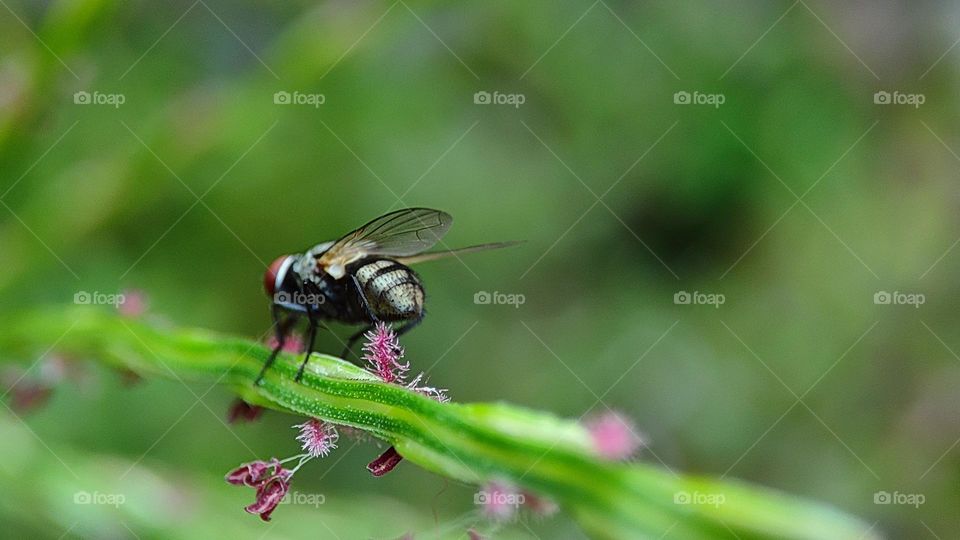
(398, 234)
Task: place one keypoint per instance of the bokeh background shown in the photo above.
(798, 199)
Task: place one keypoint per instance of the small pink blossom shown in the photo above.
(241, 411)
(383, 352)
(613, 436)
(499, 500)
(293, 343)
(317, 437)
(385, 463)
(133, 303)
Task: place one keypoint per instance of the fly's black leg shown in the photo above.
(371, 316)
(311, 336)
(281, 329)
(353, 339)
(409, 326)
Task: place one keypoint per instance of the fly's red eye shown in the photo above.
(270, 276)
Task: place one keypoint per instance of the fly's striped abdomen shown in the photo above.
(391, 289)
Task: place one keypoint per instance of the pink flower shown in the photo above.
(241, 411)
(383, 352)
(385, 463)
(613, 436)
(269, 495)
(317, 437)
(293, 343)
(500, 501)
(133, 303)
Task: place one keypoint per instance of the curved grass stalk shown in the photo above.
(472, 443)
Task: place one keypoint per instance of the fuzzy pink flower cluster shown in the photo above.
(614, 436)
(317, 437)
(383, 352)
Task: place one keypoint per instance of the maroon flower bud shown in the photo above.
(251, 474)
(385, 463)
(269, 495)
(241, 411)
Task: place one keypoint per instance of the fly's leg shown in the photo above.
(367, 310)
(311, 336)
(281, 329)
(410, 325)
(371, 316)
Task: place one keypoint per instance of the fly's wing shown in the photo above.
(402, 233)
(423, 257)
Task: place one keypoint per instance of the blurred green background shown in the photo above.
(798, 199)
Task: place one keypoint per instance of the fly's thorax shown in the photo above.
(391, 287)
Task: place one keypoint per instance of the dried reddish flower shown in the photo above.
(269, 495)
(241, 411)
(385, 463)
(250, 474)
